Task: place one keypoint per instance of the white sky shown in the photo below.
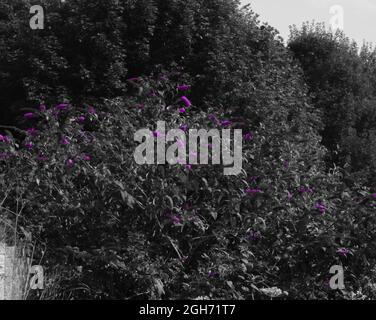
(359, 15)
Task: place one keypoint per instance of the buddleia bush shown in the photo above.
(119, 230)
(110, 228)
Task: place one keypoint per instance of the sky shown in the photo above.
(359, 16)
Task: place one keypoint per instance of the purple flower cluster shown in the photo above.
(254, 236)
(251, 191)
(248, 136)
(184, 87)
(5, 155)
(42, 158)
(186, 101)
(213, 274)
(176, 220)
(91, 110)
(157, 134)
(81, 119)
(4, 139)
(213, 118)
(29, 145)
(320, 207)
(226, 123)
(343, 252)
(184, 127)
(303, 189)
(29, 115)
(65, 141)
(62, 106)
(70, 163)
(32, 132)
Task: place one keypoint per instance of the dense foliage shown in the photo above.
(341, 80)
(109, 228)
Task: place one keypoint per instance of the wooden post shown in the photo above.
(13, 273)
(2, 271)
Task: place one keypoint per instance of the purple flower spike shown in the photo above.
(212, 118)
(29, 115)
(303, 189)
(62, 106)
(321, 207)
(226, 123)
(248, 136)
(182, 110)
(133, 79)
(188, 167)
(184, 128)
(184, 87)
(373, 195)
(254, 236)
(5, 139)
(157, 134)
(81, 119)
(213, 274)
(29, 145)
(176, 220)
(187, 102)
(4, 156)
(42, 158)
(64, 141)
(42, 108)
(32, 132)
(343, 252)
(252, 191)
(86, 157)
(91, 110)
(70, 163)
